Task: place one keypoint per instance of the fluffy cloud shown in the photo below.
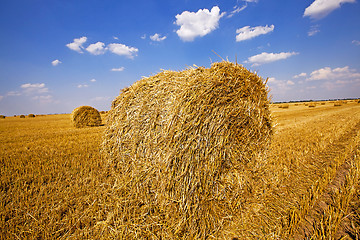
(35, 88)
(123, 50)
(93, 80)
(338, 74)
(269, 57)
(143, 36)
(55, 62)
(96, 48)
(76, 45)
(120, 69)
(279, 85)
(197, 24)
(289, 82)
(321, 8)
(356, 42)
(83, 86)
(157, 38)
(247, 32)
(300, 75)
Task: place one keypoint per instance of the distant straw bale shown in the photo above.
(22, 116)
(180, 143)
(312, 104)
(31, 115)
(337, 103)
(85, 116)
(284, 105)
(2, 116)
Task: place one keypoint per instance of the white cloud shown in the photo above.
(251, 1)
(197, 24)
(289, 82)
(76, 45)
(157, 37)
(338, 74)
(236, 10)
(300, 75)
(321, 8)
(96, 48)
(55, 62)
(143, 36)
(269, 57)
(313, 30)
(356, 42)
(93, 80)
(83, 86)
(44, 99)
(47, 97)
(123, 50)
(120, 69)
(13, 93)
(116, 38)
(279, 85)
(35, 88)
(247, 32)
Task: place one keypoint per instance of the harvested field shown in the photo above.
(55, 184)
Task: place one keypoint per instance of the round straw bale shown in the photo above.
(31, 115)
(22, 116)
(312, 104)
(2, 116)
(337, 103)
(179, 142)
(85, 116)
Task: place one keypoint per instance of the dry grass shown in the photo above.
(54, 184)
(180, 143)
(85, 116)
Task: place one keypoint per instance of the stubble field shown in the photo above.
(55, 184)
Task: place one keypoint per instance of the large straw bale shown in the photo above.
(2, 116)
(179, 143)
(85, 116)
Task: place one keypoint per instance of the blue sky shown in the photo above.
(56, 55)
